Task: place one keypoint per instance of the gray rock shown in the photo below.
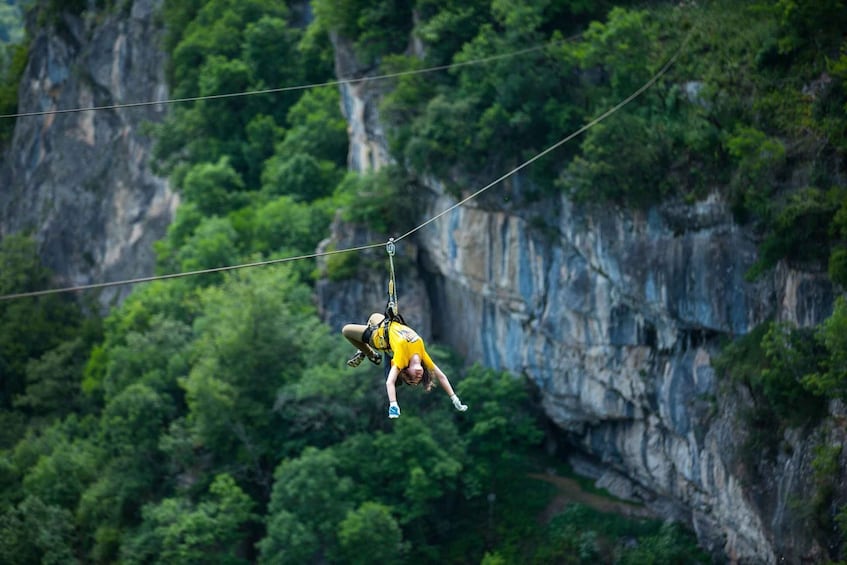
(81, 182)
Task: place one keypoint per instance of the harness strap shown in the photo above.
(391, 309)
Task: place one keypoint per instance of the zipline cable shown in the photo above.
(526, 163)
(298, 87)
(186, 274)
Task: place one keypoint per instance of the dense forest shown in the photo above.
(212, 419)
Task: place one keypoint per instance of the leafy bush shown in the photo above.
(382, 200)
(581, 534)
(377, 27)
(799, 232)
(830, 379)
(838, 258)
(10, 77)
(825, 470)
(35, 532)
(758, 158)
(772, 361)
(621, 161)
(791, 353)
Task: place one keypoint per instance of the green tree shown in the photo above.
(792, 353)
(270, 48)
(176, 530)
(838, 258)
(286, 224)
(376, 27)
(672, 544)
(262, 135)
(758, 159)
(421, 465)
(53, 381)
(300, 176)
(213, 244)
(207, 60)
(129, 466)
(29, 327)
(183, 226)
(257, 332)
(60, 477)
(155, 357)
(621, 161)
(223, 119)
(622, 46)
(502, 430)
(215, 188)
(326, 405)
(799, 232)
(132, 422)
(370, 534)
(806, 22)
(13, 60)
(830, 381)
(317, 127)
(309, 500)
(35, 532)
(382, 200)
(214, 28)
(446, 26)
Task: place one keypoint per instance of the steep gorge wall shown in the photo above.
(81, 182)
(615, 315)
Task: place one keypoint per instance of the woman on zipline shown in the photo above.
(409, 360)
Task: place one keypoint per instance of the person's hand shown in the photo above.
(457, 404)
(393, 411)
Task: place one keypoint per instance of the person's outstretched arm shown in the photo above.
(391, 390)
(445, 384)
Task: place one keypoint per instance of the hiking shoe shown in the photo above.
(393, 412)
(356, 359)
(374, 357)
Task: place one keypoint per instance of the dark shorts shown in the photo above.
(366, 335)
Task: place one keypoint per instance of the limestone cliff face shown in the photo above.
(616, 316)
(81, 182)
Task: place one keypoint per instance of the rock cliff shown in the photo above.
(615, 315)
(81, 182)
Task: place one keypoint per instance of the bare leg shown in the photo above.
(353, 333)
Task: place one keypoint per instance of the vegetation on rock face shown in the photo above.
(13, 56)
(11, 21)
(212, 418)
